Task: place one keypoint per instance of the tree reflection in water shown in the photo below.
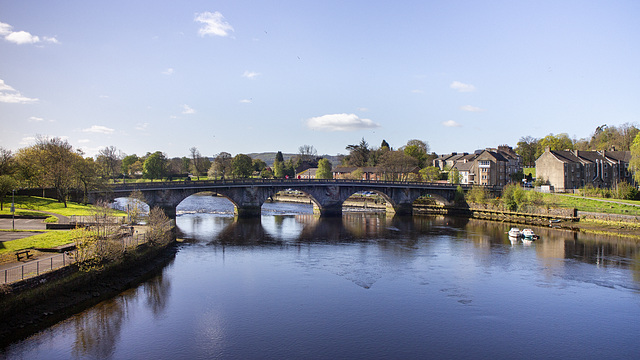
(98, 331)
(157, 291)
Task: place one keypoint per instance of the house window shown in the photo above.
(485, 163)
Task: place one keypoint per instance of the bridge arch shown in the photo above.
(248, 195)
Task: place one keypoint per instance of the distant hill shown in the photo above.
(270, 157)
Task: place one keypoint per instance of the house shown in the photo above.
(374, 173)
(573, 169)
(446, 162)
(368, 172)
(309, 173)
(490, 167)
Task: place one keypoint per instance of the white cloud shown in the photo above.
(22, 37)
(84, 141)
(5, 87)
(5, 29)
(471, 108)
(51, 40)
(10, 95)
(169, 71)
(99, 129)
(214, 24)
(340, 122)
(246, 101)
(142, 126)
(451, 123)
(250, 74)
(187, 110)
(35, 118)
(461, 87)
(28, 140)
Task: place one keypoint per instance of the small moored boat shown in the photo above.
(515, 233)
(529, 234)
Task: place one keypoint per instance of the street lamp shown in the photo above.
(13, 210)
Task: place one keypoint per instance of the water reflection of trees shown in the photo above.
(98, 329)
(157, 291)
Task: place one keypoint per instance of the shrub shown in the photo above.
(478, 195)
(513, 197)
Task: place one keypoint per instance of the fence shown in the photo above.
(37, 267)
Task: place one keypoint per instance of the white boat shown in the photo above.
(529, 234)
(515, 233)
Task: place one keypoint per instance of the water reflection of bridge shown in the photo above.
(248, 195)
(309, 228)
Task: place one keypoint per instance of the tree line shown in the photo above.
(54, 163)
(604, 137)
(411, 161)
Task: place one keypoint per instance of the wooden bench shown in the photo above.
(25, 253)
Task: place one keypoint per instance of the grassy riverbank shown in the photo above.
(607, 206)
(46, 240)
(33, 204)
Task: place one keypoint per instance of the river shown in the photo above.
(366, 286)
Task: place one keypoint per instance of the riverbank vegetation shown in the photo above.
(33, 204)
(516, 198)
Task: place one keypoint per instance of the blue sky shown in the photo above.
(256, 76)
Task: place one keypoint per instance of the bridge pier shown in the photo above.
(331, 211)
(400, 209)
(170, 211)
(245, 212)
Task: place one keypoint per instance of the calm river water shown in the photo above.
(366, 286)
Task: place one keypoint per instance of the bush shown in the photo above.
(513, 197)
(477, 194)
(624, 190)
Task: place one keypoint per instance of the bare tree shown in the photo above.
(307, 153)
(99, 245)
(158, 232)
(197, 162)
(110, 160)
(396, 165)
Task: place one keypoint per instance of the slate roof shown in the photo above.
(590, 157)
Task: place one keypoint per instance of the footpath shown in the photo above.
(38, 262)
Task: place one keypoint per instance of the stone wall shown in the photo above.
(608, 217)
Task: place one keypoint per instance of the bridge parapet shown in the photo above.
(248, 195)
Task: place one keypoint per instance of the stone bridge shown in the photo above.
(248, 195)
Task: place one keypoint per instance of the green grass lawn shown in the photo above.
(44, 240)
(530, 170)
(583, 204)
(45, 204)
(19, 212)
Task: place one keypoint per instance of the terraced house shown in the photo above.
(491, 167)
(572, 169)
